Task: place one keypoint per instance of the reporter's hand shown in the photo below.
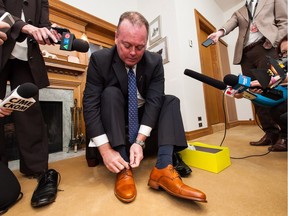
(4, 112)
(238, 95)
(3, 36)
(216, 35)
(112, 159)
(136, 155)
(41, 35)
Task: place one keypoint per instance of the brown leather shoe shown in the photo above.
(267, 139)
(169, 179)
(279, 146)
(125, 189)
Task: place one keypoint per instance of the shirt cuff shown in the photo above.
(145, 130)
(98, 141)
(223, 30)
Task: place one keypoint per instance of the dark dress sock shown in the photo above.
(164, 157)
(122, 151)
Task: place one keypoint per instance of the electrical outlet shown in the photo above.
(200, 124)
(199, 118)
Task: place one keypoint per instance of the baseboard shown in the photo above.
(191, 135)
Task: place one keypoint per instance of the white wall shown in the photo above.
(178, 24)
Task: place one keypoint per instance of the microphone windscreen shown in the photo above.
(80, 45)
(231, 80)
(27, 90)
(205, 79)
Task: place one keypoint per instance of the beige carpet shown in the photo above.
(251, 186)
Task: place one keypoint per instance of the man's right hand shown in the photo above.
(112, 159)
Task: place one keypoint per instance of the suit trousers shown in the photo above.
(255, 58)
(30, 128)
(169, 130)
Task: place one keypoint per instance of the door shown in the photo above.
(210, 66)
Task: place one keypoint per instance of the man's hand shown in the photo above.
(136, 155)
(112, 159)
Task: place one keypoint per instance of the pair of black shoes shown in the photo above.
(179, 165)
(46, 190)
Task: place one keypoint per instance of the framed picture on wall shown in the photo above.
(154, 30)
(161, 48)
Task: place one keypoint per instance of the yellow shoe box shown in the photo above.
(208, 157)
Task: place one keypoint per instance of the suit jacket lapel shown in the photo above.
(259, 7)
(121, 73)
(243, 10)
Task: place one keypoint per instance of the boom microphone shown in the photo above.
(21, 98)
(206, 79)
(238, 84)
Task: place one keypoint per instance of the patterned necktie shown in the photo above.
(132, 107)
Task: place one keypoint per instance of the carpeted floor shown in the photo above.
(250, 186)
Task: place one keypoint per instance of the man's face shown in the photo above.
(131, 42)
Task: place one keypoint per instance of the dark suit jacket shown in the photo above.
(37, 14)
(107, 69)
(270, 18)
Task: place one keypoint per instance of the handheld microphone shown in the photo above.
(21, 98)
(69, 42)
(241, 84)
(270, 98)
(206, 79)
(238, 84)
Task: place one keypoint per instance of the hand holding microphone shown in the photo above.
(4, 111)
(20, 99)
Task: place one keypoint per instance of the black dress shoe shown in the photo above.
(267, 139)
(279, 146)
(46, 190)
(179, 165)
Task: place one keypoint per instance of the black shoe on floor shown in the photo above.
(179, 165)
(46, 190)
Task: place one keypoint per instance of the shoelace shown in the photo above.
(48, 178)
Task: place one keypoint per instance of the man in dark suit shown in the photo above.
(106, 112)
(262, 24)
(21, 62)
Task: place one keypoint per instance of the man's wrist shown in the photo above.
(140, 142)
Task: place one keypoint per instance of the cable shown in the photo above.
(225, 131)
(251, 156)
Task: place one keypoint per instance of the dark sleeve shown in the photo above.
(91, 99)
(155, 90)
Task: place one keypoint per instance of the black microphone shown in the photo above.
(20, 98)
(206, 79)
(70, 43)
(80, 45)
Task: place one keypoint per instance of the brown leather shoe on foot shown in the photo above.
(279, 146)
(267, 139)
(125, 189)
(169, 180)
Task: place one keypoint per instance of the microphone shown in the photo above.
(270, 98)
(206, 79)
(69, 42)
(21, 98)
(238, 84)
(241, 84)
